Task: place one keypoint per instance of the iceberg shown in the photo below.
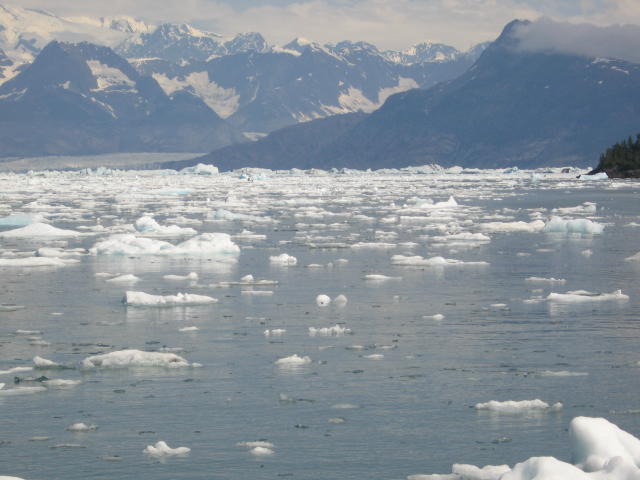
(162, 450)
(39, 229)
(583, 296)
(579, 225)
(21, 219)
(283, 259)
(141, 299)
(147, 225)
(419, 261)
(293, 361)
(205, 245)
(134, 358)
(517, 407)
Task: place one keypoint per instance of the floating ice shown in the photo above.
(36, 262)
(261, 451)
(21, 391)
(193, 276)
(40, 362)
(544, 280)
(134, 358)
(293, 360)
(21, 219)
(374, 356)
(204, 245)
(588, 208)
(323, 300)
(61, 383)
(128, 279)
(579, 225)
(162, 450)
(419, 261)
(258, 443)
(60, 252)
(507, 227)
(341, 300)
(188, 329)
(583, 296)
(375, 277)
(283, 259)
(147, 225)
(561, 373)
(516, 407)
(328, 331)
(437, 317)
(634, 258)
(200, 169)
(141, 299)
(275, 332)
(15, 370)
(81, 427)
(595, 176)
(39, 230)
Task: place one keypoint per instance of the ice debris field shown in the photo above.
(421, 324)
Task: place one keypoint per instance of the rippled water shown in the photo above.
(411, 411)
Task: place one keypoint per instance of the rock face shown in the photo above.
(511, 108)
(83, 98)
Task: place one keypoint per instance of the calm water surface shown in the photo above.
(412, 409)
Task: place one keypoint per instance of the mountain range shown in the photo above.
(512, 107)
(254, 87)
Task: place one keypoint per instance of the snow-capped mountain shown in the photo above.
(25, 32)
(84, 98)
(513, 107)
(256, 87)
(261, 90)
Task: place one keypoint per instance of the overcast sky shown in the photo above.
(393, 24)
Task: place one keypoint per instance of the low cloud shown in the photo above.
(614, 41)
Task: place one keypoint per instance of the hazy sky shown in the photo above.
(387, 23)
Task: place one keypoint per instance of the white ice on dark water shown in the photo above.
(600, 451)
(293, 361)
(584, 296)
(205, 245)
(162, 450)
(142, 299)
(517, 407)
(134, 358)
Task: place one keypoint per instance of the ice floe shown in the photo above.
(283, 259)
(81, 427)
(336, 330)
(148, 226)
(419, 261)
(579, 225)
(134, 358)
(517, 407)
(162, 450)
(39, 229)
(323, 300)
(204, 245)
(293, 361)
(142, 299)
(584, 296)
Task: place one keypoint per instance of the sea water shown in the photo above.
(392, 397)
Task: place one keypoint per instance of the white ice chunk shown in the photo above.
(516, 407)
(125, 279)
(61, 383)
(375, 277)
(141, 299)
(147, 225)
(323, 300)
(36, 262)
(507, 227)
(39, 230)
(336, 330)
(275, 332)
(583, 296)
(261, 451)
(293, 360)
(419, 261)
(134, 358)
(81, 427)
(544, 280)
(40, 362)
(283, 259)
(162, 450)
(579, 225)
(193, 276)
(204, 245)
(200, 169)
(188, 329)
